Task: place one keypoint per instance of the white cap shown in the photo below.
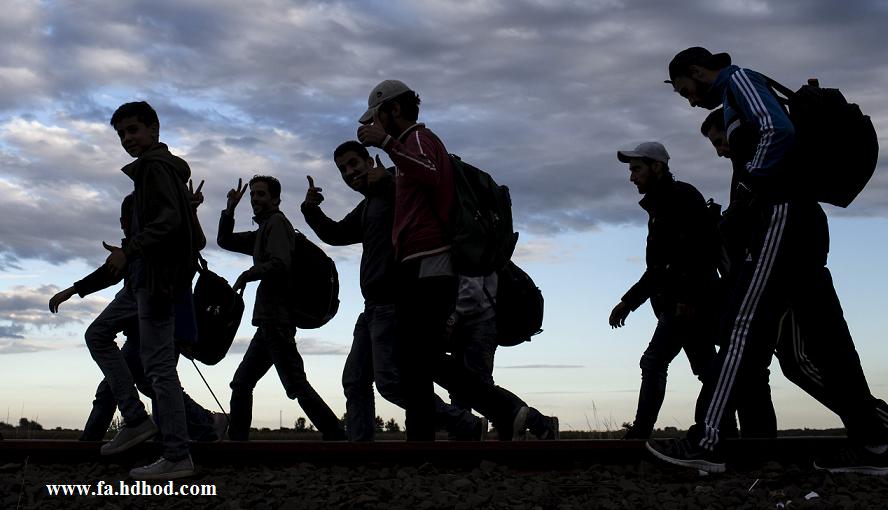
(381, 93)
(652, 150)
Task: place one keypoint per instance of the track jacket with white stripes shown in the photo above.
(748, 101)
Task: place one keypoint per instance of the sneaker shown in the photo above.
(127, 437)
(220, 425)
(682, 452)
(519, 424)
(478, 432)
(634, 432)
(551, 432)
(854, 460)
(163, 469)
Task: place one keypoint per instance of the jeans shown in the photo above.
(421, 314)
(671, 336)
(275, 345)
(159, 357)
(199, 420)
(371, 359)
(475, 344)
(100, 337)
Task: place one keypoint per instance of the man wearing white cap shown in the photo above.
(426, 284)
(680, 278)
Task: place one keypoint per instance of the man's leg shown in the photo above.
(100, 336)
(281, 344)
(664, 346)
(357, 383)
(251, 369)
(159, 358)
(421, 315)
(477, 350)
(101, 415)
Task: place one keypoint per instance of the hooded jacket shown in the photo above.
(162, 251)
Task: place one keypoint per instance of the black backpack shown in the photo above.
(217, 311)
(518, 305)
(836, 144)
(481, 221)
(314, 285)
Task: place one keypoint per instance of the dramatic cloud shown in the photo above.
(539, 92)
(22, 305)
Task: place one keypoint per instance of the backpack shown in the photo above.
(481, 221)
(314, 285)
(217, 312)
(518, 305)
(836, 144)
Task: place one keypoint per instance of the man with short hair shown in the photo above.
(784, 267)
(121, 316)
(274, 343)
(680, 279)
(791, 344)
(160, 259)
(426, 283)
(371, 356)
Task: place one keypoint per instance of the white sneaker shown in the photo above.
(519, 424)
(220, 425)
(163, 469)
(127, 437)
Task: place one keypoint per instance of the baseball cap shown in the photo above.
(652, 150)
(381, 93)
(696, 56)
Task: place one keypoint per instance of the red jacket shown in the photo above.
(423, 193)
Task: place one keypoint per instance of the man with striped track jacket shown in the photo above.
(784, 267)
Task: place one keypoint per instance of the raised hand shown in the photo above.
(372, 134)
(313, 196)
(197, 197)
(235, 195)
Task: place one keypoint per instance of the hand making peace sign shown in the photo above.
(235, 195)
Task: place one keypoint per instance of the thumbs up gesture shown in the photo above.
(313, 196)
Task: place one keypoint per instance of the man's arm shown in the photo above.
(759, 106)
(100, 279)
(227, 239)
(275, 260)
(336, 233)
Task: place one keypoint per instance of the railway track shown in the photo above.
(535, 454)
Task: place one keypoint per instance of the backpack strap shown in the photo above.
(203, 263)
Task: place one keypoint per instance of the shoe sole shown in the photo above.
(702, 465)
(860, 470)
(144, 436)
(164, 476)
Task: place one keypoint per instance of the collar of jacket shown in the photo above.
(262, 218)
(659, 190)
(155, 150)
(403, 135)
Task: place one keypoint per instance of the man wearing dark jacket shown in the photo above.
(160, 261)
(784, 267)
(371, 356)
(680, 279)
(274, 343)
(121, 316)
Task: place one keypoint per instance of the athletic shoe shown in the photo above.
(220, 425)
(163, 469)
(127, 437)
(519, 424)
(634, 432)
(550, 432)
(682, 452)
(854, 460)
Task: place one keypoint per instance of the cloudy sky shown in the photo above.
(539, 92)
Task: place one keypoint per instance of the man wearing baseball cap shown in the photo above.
(680, 278)
(426, 284)
(784, 267)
